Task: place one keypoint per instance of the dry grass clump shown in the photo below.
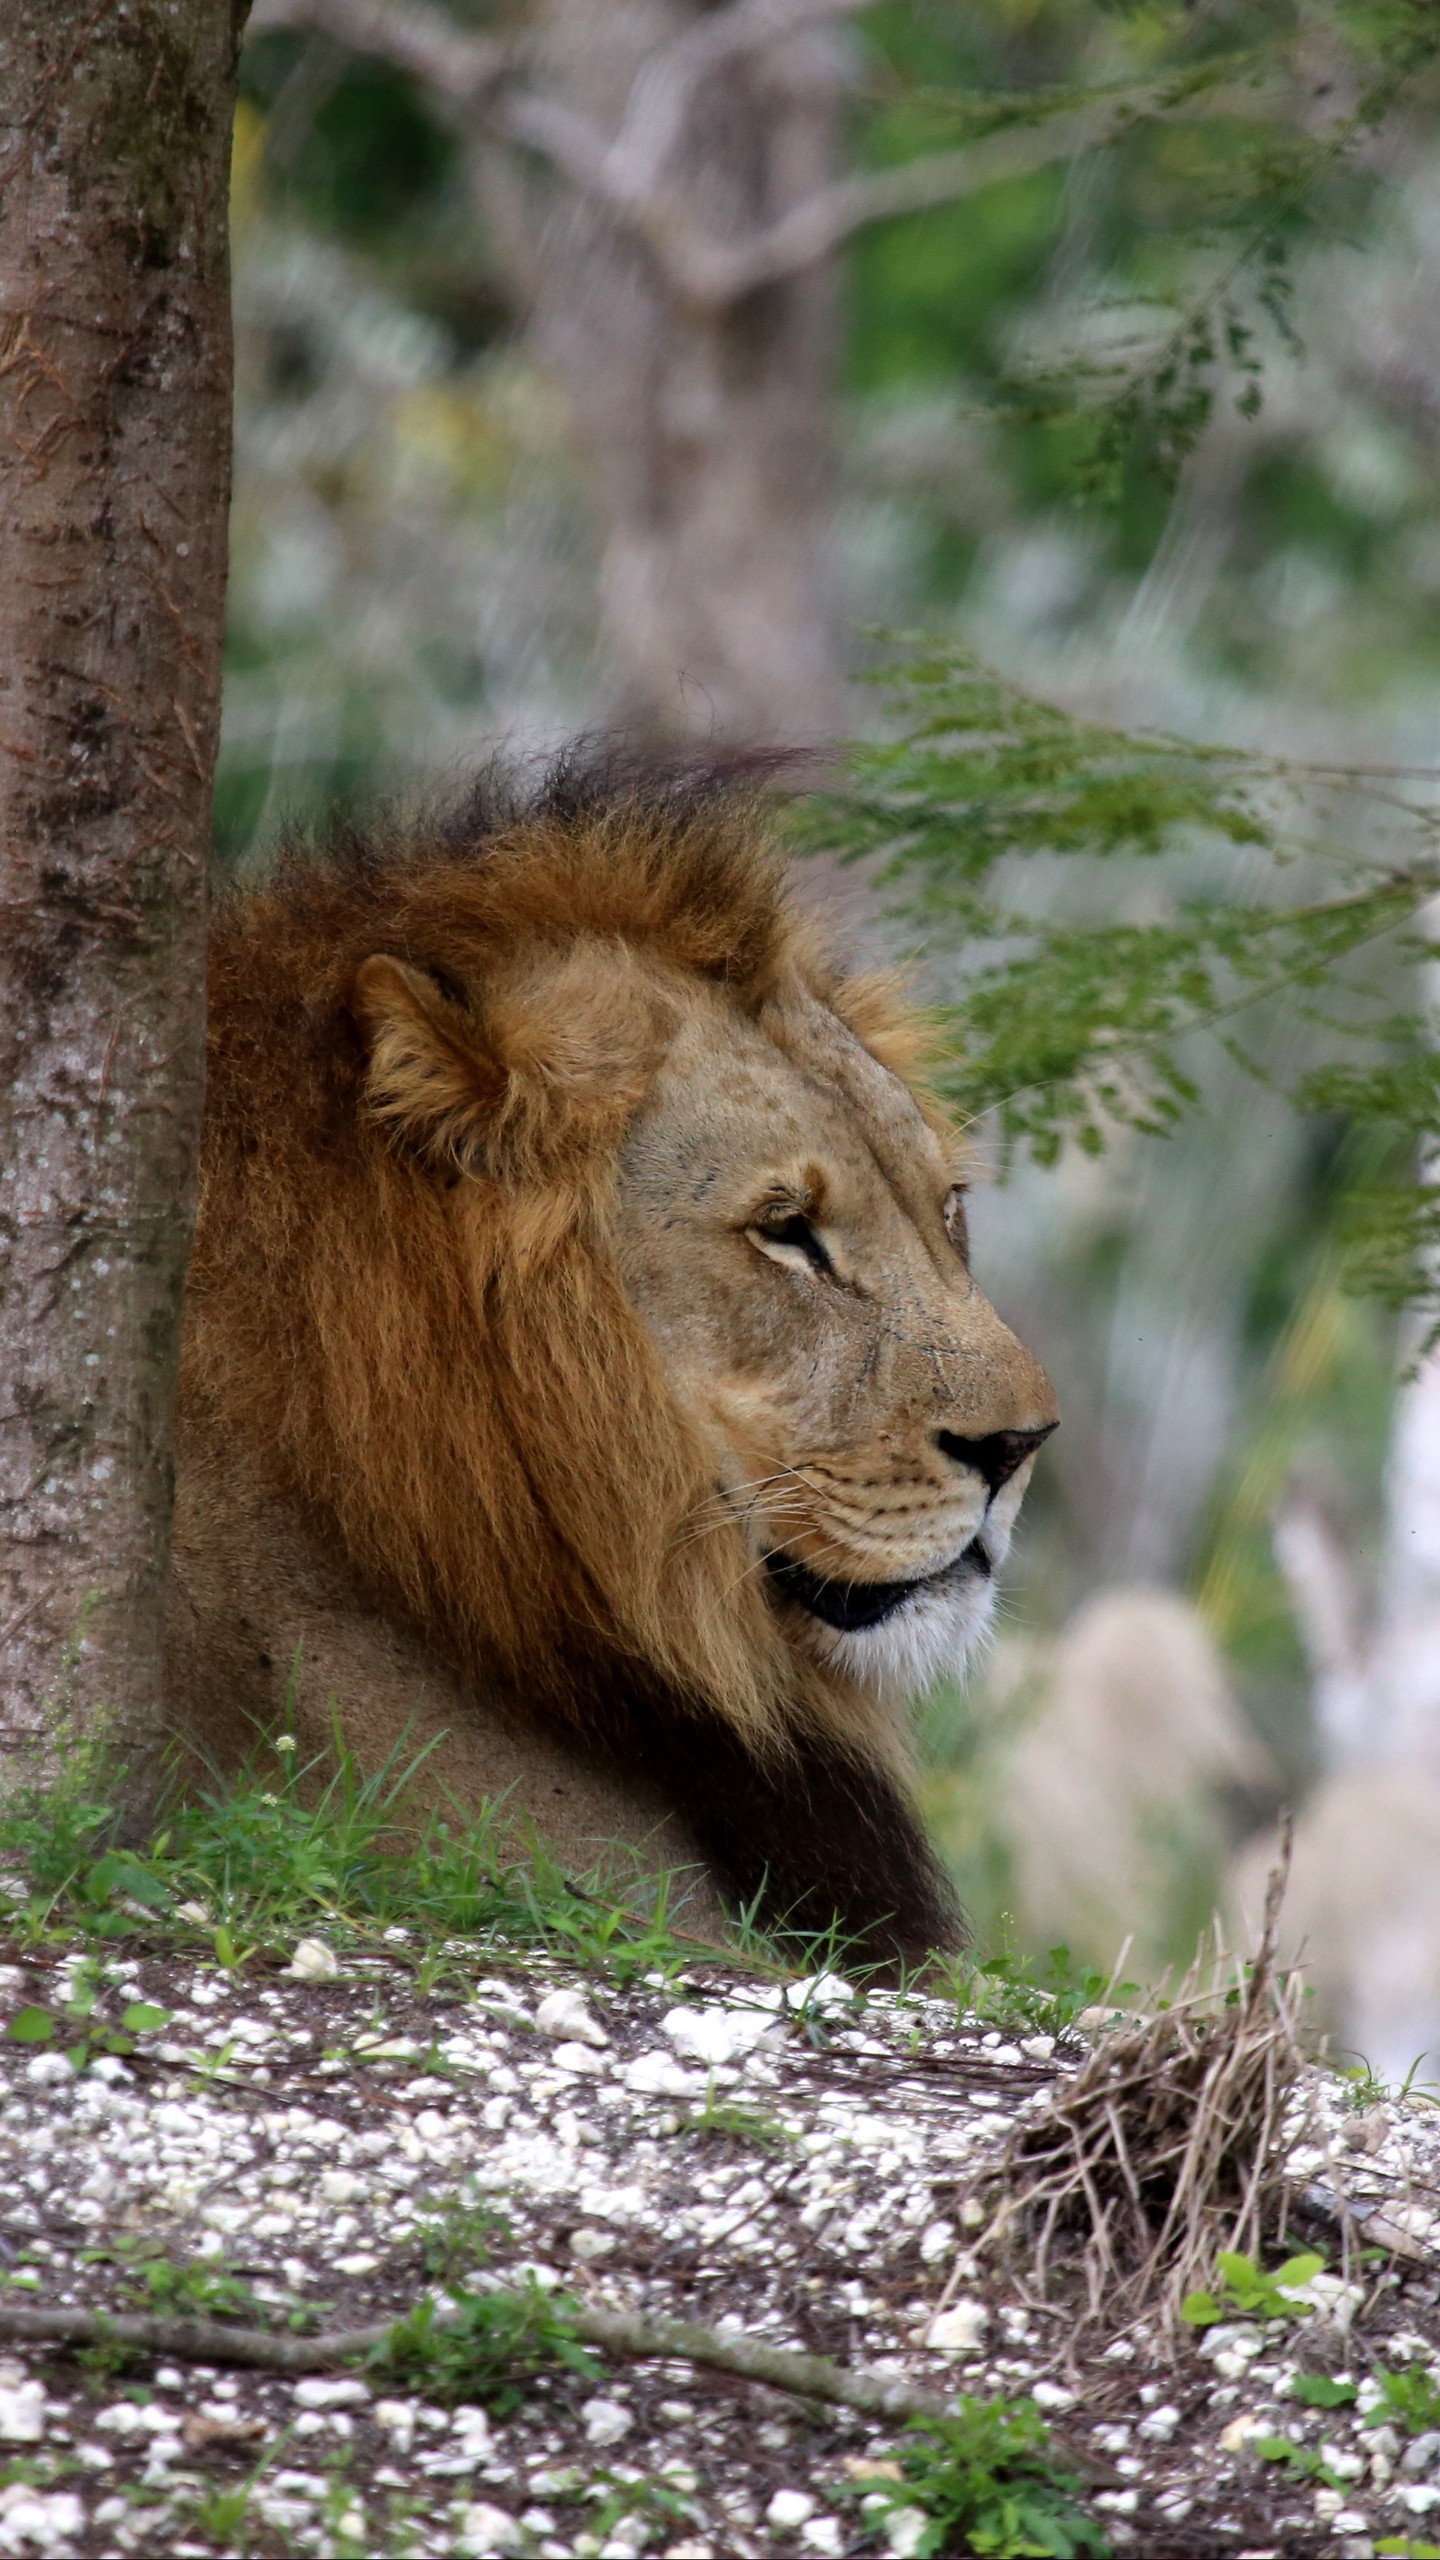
(1164, 2147)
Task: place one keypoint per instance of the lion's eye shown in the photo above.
(954, 1216)
(788, 1236)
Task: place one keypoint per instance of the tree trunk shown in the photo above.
(114, 483)
(705, 430)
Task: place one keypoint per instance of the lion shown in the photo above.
(583, 1373)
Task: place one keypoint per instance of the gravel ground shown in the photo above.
(303, 2132)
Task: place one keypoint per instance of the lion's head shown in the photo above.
(584, 1251)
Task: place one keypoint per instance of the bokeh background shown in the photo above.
(476, 438)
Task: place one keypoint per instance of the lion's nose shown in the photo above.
(997, 1456)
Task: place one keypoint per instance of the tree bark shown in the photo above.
(705, 428)
(114, 485)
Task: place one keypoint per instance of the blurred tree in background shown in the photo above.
(632, 357)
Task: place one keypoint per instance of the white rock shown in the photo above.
(605, 2421)
(1419, 2501)
(397, 2417)
(32, 2521)
(822, 2534)
(48, 2070)
(935, 2239)
(471, 2430)
(22, 2413)
(578, 2057)
(313, 1961)
(568, 2013)
(315, 2393)
(588, 2245)
(1051, 2395)
(1161, 2423)
(787, 2509)
(716, 2035)
(482, 2529)
(340, 2186)
(960, 2331)
(1235, 2437)
(127, 2418)
(820, 1991)
(905, 2530)
(656, 2075)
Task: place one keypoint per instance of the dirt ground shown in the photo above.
(309, 2137)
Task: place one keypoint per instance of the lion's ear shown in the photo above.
(430, 1079)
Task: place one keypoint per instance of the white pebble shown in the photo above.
(568, 2014)
(960, 2331)
(482, 2529)
(605, 2421)
(316, 2393)
(935, 2239)
(655, 2075)
(905, 2529)
(22, 2413)
(313, 1961)
(578, 2057)
(715, 2035)
(789, 2508)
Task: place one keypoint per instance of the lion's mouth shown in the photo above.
(850, 1606)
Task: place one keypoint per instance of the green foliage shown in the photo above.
(988, 2483)
(486, 2347)
(1410, 2400)
(76, 2019)
(1400, 2546)
(285, 1851)
(1302, 2461)
(1026, 838)
(1322, 2391)
(1030, 1995)
(459, 2231)
(722, 2120)
(1248, 2292)
(178, 2288)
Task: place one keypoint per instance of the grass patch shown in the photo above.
(987, 2481)
(324, 1850)
(485, 2347)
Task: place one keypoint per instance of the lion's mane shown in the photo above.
(470, 1408)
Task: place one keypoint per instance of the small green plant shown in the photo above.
(1410, 2400)
(488, 2347)
(1248, 2292)
(1022, 1994)
(1322, 2391)
(76, 2019)
(987, 2482)
(1398, 2546)
(1301, 2461)
(176, 2288)
(459, 2231)
(721, 2121)
(659, 2500)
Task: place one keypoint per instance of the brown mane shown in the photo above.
(487, 1433)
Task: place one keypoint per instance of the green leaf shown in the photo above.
(142, 2017)
(1322, 2391)
(1298, 2271)
(31, 2026)
(1200, 2310)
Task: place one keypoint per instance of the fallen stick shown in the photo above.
(620, 2333)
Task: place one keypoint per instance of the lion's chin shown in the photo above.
(894, 1638)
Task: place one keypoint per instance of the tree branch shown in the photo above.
(621, 2333)
(461, 69)
(467, 74)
